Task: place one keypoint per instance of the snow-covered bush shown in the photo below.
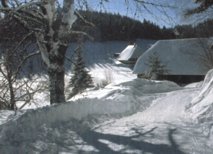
(107, 78)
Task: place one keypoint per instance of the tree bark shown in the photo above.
(9, 79)
(12, 95)
(56, 74)
(56, 86)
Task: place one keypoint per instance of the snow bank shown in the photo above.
(136, 88)
(194, 85)
(117, 101)
(144, 86)
(45, 126)
(21, 129)
(201, 107)
(5, 116)
(170, 108)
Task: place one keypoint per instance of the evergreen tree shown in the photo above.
(156, 67)
(81, 78)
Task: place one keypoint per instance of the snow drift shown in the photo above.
(124, 99)
(29, 126)
(201, 107)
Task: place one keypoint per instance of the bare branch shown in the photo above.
(203, 6)
(83, 19)
(155, 4)
(82, 33)
(24, 60)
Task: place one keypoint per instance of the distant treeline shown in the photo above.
(203, 29)
(110, 27)
(116, 27)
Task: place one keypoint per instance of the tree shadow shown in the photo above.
(94, 138)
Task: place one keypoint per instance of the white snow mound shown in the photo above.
(201, 107)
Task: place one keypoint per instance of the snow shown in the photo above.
(136, 50)
(127, 53)
(38, 121)
(126, 115)
(180, 56)
(4, 116)
(201, 106)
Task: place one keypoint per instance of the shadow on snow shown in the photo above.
(129, 142)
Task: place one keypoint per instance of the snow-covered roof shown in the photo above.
(127, 53)
(135, 51)
(181, 56)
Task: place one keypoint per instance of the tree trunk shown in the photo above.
(56, 85)
(56, 74)
(53, 44)
(12, 95)
(12, 103)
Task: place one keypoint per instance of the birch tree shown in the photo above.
(51, 29)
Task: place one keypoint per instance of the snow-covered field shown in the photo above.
(121, 115)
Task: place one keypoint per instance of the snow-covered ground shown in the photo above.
(121, 115)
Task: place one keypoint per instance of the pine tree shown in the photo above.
(81, 78)
(156, 67)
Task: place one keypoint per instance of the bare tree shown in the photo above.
(14, 45)
(13, 89)
(51, 28)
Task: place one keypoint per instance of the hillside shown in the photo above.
(108, 27)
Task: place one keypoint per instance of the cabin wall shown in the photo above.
(182, 79)
(179, 79)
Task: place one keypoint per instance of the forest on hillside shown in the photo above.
(111, 27)
(108, 26)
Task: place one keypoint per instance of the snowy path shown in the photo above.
(149, 138)
(151, 131)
